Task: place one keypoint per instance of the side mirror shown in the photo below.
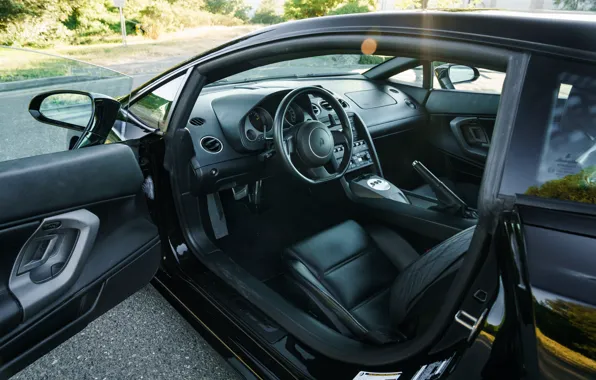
(463, 74)
(92, 114)
(450, 74)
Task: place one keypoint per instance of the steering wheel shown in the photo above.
(309, 145)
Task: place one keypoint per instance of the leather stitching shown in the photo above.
(344, 262)
(369, 299)
(331, 299)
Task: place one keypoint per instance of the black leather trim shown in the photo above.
(411, 285)
(396, 248)
(312, 285)
(57, 181)
(348, 277)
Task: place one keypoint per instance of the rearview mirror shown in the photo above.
(92, 114)
(67, 109)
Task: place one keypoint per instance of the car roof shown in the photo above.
(566, 34)
(570, 30)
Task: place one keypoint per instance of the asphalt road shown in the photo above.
(142, 338)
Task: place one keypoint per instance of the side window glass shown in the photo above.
(25, 74)
(449, 76)
(412, 77)
(153, 108)
(567, 166)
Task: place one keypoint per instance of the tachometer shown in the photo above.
(260, 119)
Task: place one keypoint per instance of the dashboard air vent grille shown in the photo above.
(325, 105)
(197, 121)
(211, 144)
(315, 109)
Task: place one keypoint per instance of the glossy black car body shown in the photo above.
(528, 280)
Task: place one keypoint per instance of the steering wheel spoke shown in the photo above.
(320, 173)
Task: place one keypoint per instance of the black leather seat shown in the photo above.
(468, 192)
(370, 283)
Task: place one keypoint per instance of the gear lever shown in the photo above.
(448, 201)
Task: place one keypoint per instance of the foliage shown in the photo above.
(440, 4)
(237, 8)
(266, 14)
(570, 324)
(300, 9)
(573, 187)
(576, 5)
(41, 23)
(352, 6)
(371, 59)
(408, 4)
(157, 19)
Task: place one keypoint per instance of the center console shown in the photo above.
(364, 184)
(361, 156)
(373, 186)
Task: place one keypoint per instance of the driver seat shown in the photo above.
(370, 283)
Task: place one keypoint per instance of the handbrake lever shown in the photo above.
(448, 200)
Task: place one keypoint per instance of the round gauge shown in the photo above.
(291, 115)
(294, 114)
(251, 135)
(260, 119)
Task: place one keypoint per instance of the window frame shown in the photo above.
(152, 87)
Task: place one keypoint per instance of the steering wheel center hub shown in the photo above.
(314, 143)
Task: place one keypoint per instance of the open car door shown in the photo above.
(76, 236)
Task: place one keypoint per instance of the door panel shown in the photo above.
(75, 240)
(462, 103)
(459, 130)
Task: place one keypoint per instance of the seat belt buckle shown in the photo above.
(470, 322)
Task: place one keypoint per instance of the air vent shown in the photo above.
(410, 104)
(325, 105)
(197, 121)
(211, 144)
(393, 90)
(315, 109)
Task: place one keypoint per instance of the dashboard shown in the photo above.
(231, 125)
(258, 123)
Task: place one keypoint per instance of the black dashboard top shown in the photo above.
(239, 115)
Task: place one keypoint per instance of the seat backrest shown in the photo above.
(423, 285)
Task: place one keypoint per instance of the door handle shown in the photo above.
(52, 259)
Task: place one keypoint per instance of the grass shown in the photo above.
(565, 353)
(140, 56)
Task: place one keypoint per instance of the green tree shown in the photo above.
(299, 9)
(571, 324)
(352, 6)
(577, 5)
(266, 14)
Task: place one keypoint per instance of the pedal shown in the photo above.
(217, 216)
(240, 192)
(255, 196)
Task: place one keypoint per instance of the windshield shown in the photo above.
(324, 65)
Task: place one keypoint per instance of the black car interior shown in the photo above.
(353, 198)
